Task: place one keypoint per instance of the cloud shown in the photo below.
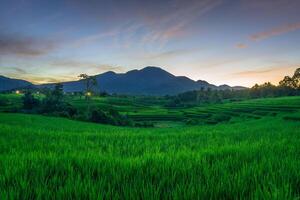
(170, 54)
(24, 46)
(271, 74)
(253, 72)
(174, 23)
(270, 6)
(281, 30)
(76, 66)
(264, 72)
(142, 23)
(275, 31)
(15, 70)
(241, 46)
(38, 79)
(94, 38)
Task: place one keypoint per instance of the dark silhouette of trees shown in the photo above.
(90, 84)
(53, 102)
(288, 82)
(29, 101)
(291, 82)
(296, 78)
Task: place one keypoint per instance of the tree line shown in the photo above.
(288, 86)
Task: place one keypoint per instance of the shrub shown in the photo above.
(99, 116)
(111, 117)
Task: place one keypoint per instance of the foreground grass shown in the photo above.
(53, 158)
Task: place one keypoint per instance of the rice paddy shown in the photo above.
(241, 150)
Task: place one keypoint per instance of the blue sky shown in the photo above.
(235, 42)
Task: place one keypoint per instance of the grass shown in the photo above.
(152, 109)
(254, 155)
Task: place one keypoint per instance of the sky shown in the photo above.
(234, 42)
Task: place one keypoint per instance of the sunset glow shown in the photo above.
(237, 42)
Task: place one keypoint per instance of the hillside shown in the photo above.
(9, 83)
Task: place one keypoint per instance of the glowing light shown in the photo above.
(17, 92)
(88, 94)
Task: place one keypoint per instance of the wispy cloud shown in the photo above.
(270, 6)
(17, 70)
(254, 72)
(38, 79)
(145, 23)
(93, 38)
(275, 31)
(167, 55)
(173, 25)
(76, 66)
(24, 46)
(274, 71)
(241, 46)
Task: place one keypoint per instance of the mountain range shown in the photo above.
(10, 84)
(147, 81)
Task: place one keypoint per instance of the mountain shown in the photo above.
(9, 83)
(147, 81)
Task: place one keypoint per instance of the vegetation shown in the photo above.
(90, 84)
(55, 158)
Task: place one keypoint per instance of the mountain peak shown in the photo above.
(152, 68)
(109, 73)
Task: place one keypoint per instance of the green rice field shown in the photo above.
(241, 150)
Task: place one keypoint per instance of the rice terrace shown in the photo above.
(81, 118)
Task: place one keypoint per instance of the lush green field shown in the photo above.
(152, 109)
(254, 155)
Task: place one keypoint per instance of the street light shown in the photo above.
(17, 92)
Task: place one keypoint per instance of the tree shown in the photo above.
(54, 99)
(291, 82)
(29, 102)
(296, 78)
(288, 82)
(90, 84)
(57, 93)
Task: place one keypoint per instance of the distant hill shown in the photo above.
(9, 83)
(147, 81)
(227, 87)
